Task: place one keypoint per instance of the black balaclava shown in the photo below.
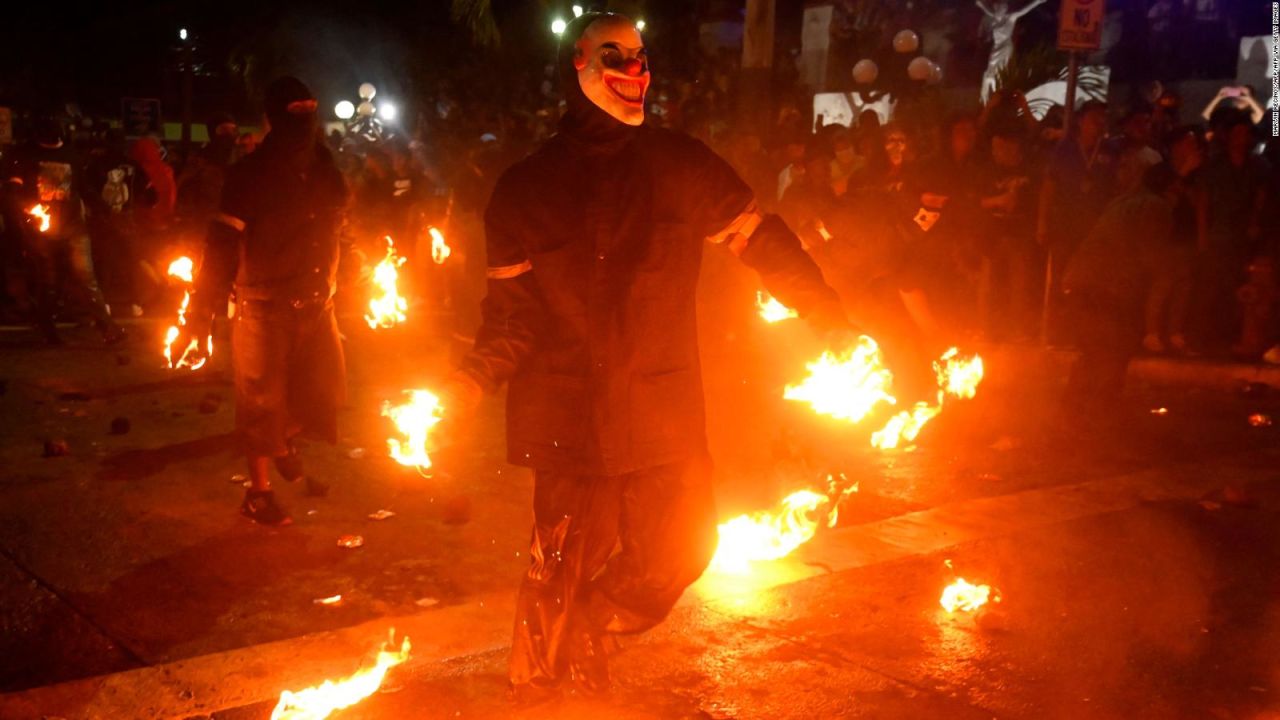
(291, 110)
(584, 122)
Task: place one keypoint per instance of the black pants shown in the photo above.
(289, 374)
(1107, 331)
(613, 552)
(64, 261)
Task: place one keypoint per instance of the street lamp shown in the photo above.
(387, 111)
(558, 26)
(577, 11)
(182, 34)
(640, 25)
(344, 110)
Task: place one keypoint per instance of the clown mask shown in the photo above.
(613, 68)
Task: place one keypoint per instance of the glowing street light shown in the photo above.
(558, 26)
(387, 111)
(344, 110)
(640, 25)
(182, 34)
(577, 11)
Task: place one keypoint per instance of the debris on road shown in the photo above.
(56, 448)
(357, 453)
(238, 479)
(120, 426)
(1160, 411)
(964, 595)
(381, 515)
(330, 601)
(1260, 420)
(426, 602)
(351, 542)
(457, 510)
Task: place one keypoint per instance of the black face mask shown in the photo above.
(292, 132)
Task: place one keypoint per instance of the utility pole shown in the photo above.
(187, 72)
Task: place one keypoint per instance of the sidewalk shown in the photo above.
(1150, 369)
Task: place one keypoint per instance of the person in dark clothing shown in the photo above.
(1167, 303)
(275, 238)
(594, 244)
(1077, 186)
(1106, 286)
(44, 181)
(1007, 189)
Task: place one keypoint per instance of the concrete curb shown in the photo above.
(257, 674)
(1024, 361)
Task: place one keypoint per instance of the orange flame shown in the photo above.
(772, 311)
(957, 377)
(964, 595)
(440, 250)
(763, 536)
(40, 212)
(414, 420)
(321, 701)
(387, 308)
(182, 268)
(848, 386)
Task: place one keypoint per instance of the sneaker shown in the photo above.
(1152, 343)
(1178, 342)
(260, 506)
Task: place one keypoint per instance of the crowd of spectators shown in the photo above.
(1148, 218)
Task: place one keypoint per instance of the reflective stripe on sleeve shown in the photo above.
(230, 221)
(738, 232)
(506, 272)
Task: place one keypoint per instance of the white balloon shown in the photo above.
(865, 71)
(365, 109)
(935, 73)
(906, 41)
(920, 68)
(367, 91)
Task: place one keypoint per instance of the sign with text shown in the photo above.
(1080, 24)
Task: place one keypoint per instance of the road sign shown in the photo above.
(1080, 24)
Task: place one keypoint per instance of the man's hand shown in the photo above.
(459, 401)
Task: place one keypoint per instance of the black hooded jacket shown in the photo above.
(594, 246)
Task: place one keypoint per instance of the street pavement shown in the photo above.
(1133, 553)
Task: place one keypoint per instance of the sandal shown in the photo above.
(260, 506)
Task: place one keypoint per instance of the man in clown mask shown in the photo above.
(594, 244)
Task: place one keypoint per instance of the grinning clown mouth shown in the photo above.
(628, 89)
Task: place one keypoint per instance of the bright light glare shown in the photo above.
(182, 33)
(577, 11)
(640, 25)
(387, 111)
(344, 110)
(558, 26)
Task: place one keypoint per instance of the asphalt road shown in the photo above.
(127, 553)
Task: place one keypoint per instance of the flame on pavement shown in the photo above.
(183, 268)
(772, 311)
(414, 420)
(762, 536)
(957, 377)
(387, 307)
(964, 595)
(847, 386)
(440, 250)
(321, 701)
(40, 212)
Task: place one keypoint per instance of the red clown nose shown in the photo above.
(633, 67)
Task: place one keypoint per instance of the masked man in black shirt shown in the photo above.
(594, 244)
(275, 239)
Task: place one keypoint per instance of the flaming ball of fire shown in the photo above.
(40, 212)
(183, 269)
(846, 386)
(387, 308)
(763, 536)
(321, 701)
(964, 595)
(772, 311)
(414, 420)
(440, 250)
